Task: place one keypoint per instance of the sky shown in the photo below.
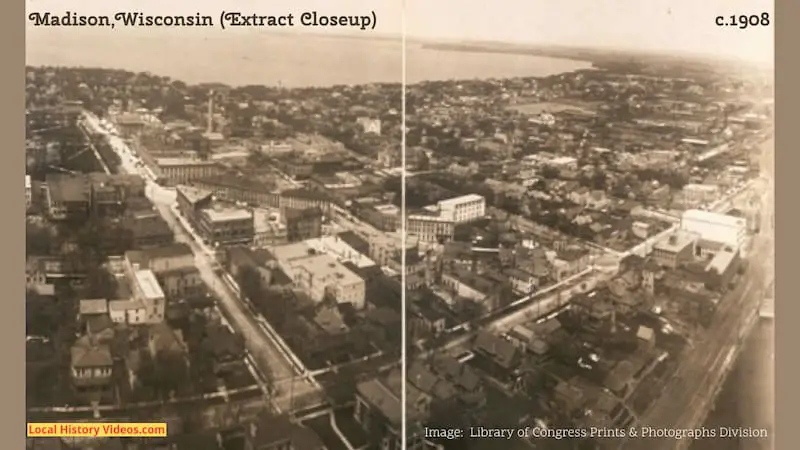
(653, 25)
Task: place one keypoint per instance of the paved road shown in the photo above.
(266, 353)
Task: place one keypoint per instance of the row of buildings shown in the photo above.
(151, 278)
(222, 223)
(76, 196)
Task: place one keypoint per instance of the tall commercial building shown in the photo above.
(715, 227)
(465, 208)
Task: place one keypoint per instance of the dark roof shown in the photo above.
(68, 188)
(168, 251)
(384, 291)
(192, 194)
(222, 343)
(305, 213)
(280, 278)
(353, 240)
(462, 375)
(142, 227)
(86, 353)
(306, 194)
(383, 316)
(237, 182)
(501, 351)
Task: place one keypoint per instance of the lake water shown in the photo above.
(291, 60)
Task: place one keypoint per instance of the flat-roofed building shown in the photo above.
(173, 266)
(341, 250)
(430, 227)
(147, 290)
(465, 208)
(302, 224)
(131, 312)
(148, 230)
(192, 199)
(240, 189)
(320, 274)
(67, 196)
(677, 248)
(374, 211)
(305, 198)
(184, 170)
(715, 227)
(695, 195)
(723, 267)
(226, 226)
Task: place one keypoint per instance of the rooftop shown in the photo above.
(88, 354)
(218, 214)
(236, 182)
(177, 162)
(697, 215)
(378, 394)
(450, 202)
(306, 194)
(325, 267)
(295, 213)
(676, 241)
(701, 187)
(143, 257)
(67, 188)
(193, 194)
(339, 249)
(721, 261)
(124, 305)
(148, 284)
(93, 306)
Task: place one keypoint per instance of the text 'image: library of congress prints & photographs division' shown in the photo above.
(401, 224)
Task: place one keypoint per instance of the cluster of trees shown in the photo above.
(163, 376)
(274, 306)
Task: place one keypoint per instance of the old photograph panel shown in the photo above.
(590, 187)
(213, 203)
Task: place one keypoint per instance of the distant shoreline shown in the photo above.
(630, 61)
(504, 49)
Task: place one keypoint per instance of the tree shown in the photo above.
(172, 372)
(249, 283)
(42, 315)
(549, 172)
(164, 374)
(100, 283)
(38, 240)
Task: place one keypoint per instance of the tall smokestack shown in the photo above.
(210, 118)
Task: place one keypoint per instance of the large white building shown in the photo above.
(700, 194)
(465, 208)
(147, 290)
(716, 227)
(319, 273)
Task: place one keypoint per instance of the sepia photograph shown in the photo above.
(398, 224)
(212, 243)
(597, 193)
